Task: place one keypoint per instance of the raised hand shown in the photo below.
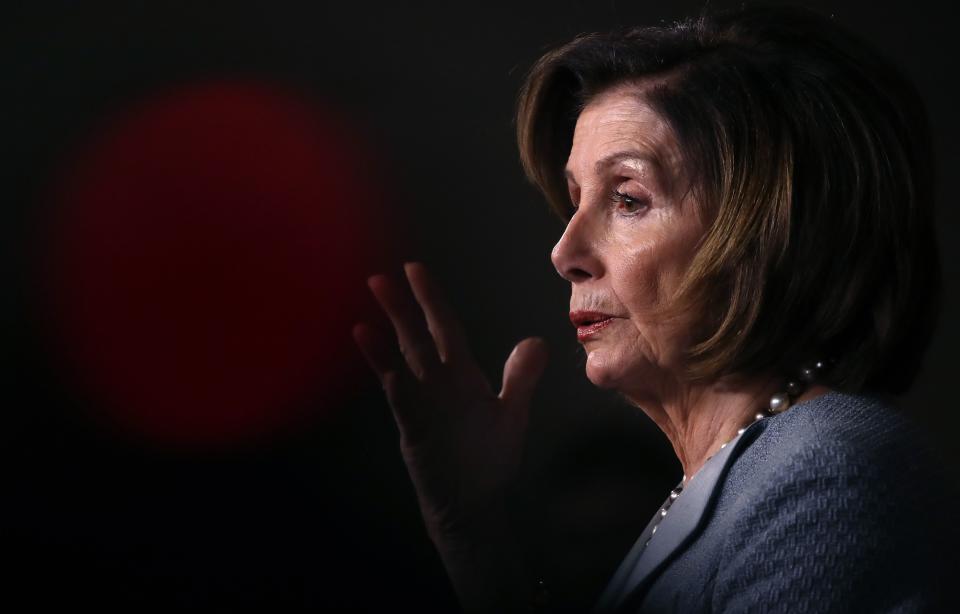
(461, 441)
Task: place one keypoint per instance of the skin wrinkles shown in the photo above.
(628, 259)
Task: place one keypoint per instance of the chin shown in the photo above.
(606, 371)
(601, 379)
(603, 372)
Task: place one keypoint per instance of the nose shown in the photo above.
(574, 256)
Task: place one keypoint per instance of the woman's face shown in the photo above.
(630, 240)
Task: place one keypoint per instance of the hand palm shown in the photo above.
(461, 442)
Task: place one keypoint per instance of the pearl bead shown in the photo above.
(807, 374)
(663, 512)
(740, 431)
(654, 530)
(779, 402)
(759, 416)
(793, 388)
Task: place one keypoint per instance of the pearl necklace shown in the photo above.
(779, 403)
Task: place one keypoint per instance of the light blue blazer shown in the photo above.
(839, 504)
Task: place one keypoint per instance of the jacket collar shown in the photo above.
(687, 515)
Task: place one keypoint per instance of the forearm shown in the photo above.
(487, 575)
(487, 564)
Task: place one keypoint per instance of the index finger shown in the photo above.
(417, 346)
(445, 327)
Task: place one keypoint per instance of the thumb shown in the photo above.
(522, 371)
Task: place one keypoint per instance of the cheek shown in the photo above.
(644, 281)
(637, 278)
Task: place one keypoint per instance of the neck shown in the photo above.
(699, 418)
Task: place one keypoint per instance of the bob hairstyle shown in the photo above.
(810, 155)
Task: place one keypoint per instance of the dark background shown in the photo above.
(325, 518)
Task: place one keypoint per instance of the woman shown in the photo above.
(752, 260)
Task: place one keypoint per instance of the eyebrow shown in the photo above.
(627, 154)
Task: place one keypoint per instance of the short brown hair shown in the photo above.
(812, 153)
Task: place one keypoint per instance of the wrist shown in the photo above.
(485, 555)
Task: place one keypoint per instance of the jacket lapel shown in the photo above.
(685, 516)
(618, 583)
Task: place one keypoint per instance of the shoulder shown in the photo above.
(834, 498)
(838, 434)
(844, 458)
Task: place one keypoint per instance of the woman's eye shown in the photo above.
(574, 204)
(631, 204)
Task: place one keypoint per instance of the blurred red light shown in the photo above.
(206, 254)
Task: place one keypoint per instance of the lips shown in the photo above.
(589, 323)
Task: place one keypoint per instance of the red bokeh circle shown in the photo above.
(205, 254)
